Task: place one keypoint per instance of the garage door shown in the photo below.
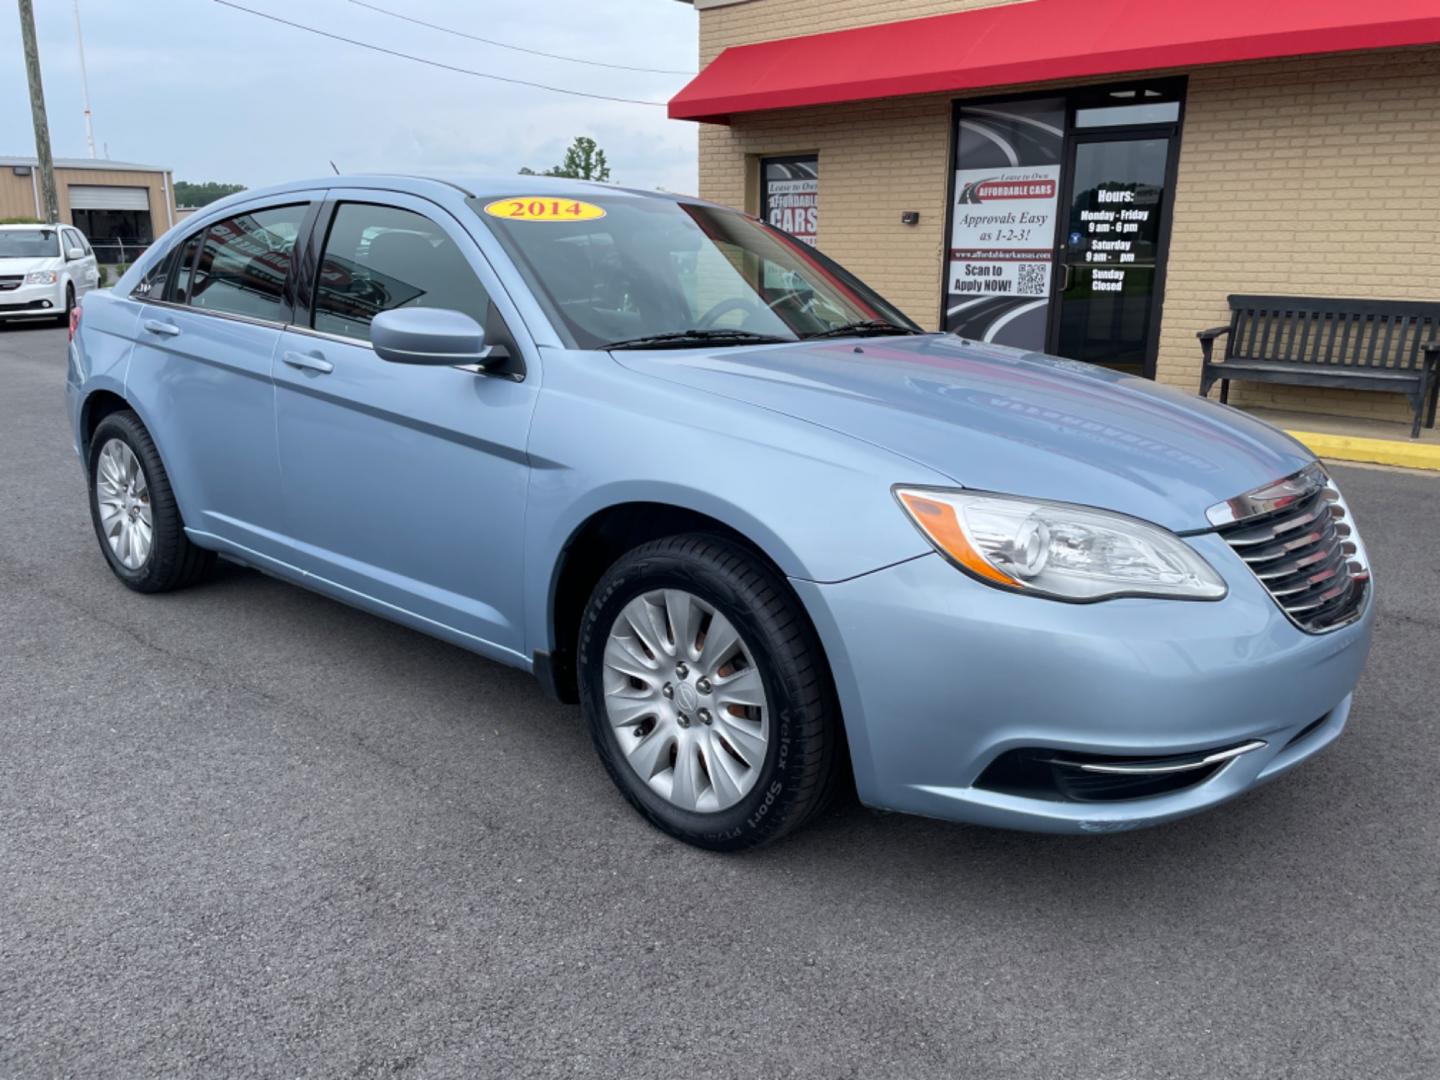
(104, 197)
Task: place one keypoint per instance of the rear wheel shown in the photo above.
(134, 511)
(706, 693)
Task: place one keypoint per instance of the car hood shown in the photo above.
(26, 265)
(1004, 420)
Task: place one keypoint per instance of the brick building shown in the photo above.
(120, 206)
(1088, 177)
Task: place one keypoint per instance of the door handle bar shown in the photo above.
(164, 329)
(306, 362)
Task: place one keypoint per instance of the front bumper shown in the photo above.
(28, 301)
(939, 676)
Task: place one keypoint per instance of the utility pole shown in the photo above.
(37, 112)
(84, 83)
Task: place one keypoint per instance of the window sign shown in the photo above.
(790, 196)
(1002, 243)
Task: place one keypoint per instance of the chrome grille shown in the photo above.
(1299, 540)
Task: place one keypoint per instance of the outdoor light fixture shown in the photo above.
(909, 217)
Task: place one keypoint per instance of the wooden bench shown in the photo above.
(1389, 345)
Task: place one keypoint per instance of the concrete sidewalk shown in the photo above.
(1353, 438)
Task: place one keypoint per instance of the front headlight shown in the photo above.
(1058, 550)
(41, 277)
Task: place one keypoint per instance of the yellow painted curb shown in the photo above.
(1408, 455)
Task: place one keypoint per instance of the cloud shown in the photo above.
(216, 94)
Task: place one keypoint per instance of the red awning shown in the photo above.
(1040, 41)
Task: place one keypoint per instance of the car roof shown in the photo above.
(484, 187)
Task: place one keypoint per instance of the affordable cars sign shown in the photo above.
(1004, 229)
(1002, 221)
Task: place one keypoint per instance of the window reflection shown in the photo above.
(378, 258)
(243, 263)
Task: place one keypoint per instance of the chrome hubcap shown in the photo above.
(124, 501)
(686, 701)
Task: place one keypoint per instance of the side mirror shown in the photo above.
(434, 336)
(71, 254)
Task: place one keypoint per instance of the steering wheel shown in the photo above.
(724, 307)
(740, 303)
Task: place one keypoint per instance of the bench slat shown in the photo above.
(1399, 353)
(1336, 373)
(1308, 322)
(1330, 344)
(1267, 319)
(1385, 353)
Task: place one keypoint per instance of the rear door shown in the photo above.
(404, 485)
(84, 271)
(201, 371)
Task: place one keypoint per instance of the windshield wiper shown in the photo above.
(862, 328)
(680, 339)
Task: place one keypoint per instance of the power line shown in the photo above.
(517, 48)
(437, 63)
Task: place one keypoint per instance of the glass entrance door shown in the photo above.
(1110, 247)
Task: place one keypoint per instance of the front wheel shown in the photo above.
(64, 317)
(706, 692)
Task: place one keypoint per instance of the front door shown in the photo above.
(1110, 250)
(404, 486)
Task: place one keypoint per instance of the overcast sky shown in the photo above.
(217, 94)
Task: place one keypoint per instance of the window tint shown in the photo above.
(243, 263)
(72, 240)
(378, 258)
(28, 243)
(152, 285)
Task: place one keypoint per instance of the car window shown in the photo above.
(381, 257)
(152, 285)
(243, 262)
(28, 243)
(644, 266)
(72, 240)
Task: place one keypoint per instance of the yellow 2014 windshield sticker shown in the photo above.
(543, 208)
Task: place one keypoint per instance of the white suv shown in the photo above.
(44, 270)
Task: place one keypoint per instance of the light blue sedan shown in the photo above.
(697, 477)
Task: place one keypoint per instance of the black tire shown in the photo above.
(802, 760)
(174, 561)
(64, 317)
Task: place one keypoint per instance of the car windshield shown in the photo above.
(28, 243)
(627, 271)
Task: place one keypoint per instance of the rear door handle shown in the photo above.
(164, 329)
(308, 362)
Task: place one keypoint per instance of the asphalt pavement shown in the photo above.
(247, 831)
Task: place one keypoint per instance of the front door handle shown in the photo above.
(164, 329)
(308, 362)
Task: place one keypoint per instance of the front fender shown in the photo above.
(817, 502)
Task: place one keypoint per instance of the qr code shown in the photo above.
(1031, 279)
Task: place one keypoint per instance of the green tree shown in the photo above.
(190, 194)
(583, 161)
